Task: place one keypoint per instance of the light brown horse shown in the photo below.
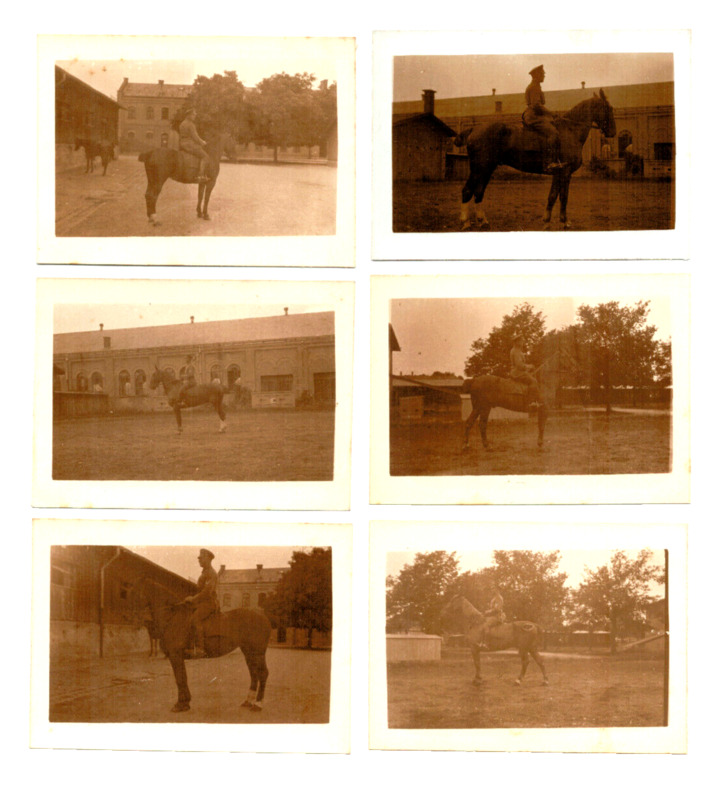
(488, 391)
(194, 396)
(247, 629)
(461, 617)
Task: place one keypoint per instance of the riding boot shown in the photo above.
(202, 171)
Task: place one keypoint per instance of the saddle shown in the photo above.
(512, 387)
(187, 166)
(212, 625)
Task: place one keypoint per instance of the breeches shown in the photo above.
(193, 148)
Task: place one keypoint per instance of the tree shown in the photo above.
(416, 596)
(303, 597)
(621, 346)
(491, 355)
(290, 112)
(220, 104)
(616, 595)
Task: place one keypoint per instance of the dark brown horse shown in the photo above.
(247, 629)
(94, 149)
(521, 148)
(488, 391)
(461, 617)
(194, 396)
(163, 163)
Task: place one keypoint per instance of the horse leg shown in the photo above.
(200, 195)
(552, 199)
(541, 422)
(177, 414)
(525, 659)
(467, 192)
(540, 663)
(252, 702)
(563, 198)
(207, 195)
(263, 674)
(176, 658)
(477, 680)
(468, 426)
(222, 414)
(154, 187)
(482, 424)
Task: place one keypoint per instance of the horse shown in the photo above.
(248, 629)
(521, 148)
(488, 391)
(163, 163)
(92, 150)
(462, 616)
(194, 396)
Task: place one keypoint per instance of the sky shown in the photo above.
(107, 75)
(88, 317)
(476, 75)
(183, 559)
(572, 562)
(436, 334)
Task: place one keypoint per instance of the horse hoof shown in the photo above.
(245, 704)
(255, 708)
(477, 682)
(518, 682)
(180, 707)
(222, 429)
(205, 216)
(466, 226)
(545, 683)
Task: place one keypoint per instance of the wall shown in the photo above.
(413, 647)
(69, 639)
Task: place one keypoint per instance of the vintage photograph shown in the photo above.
(236, 633)
(243, 390)
(197, 137)
(578, 385)
(495, 133)
(558, 637)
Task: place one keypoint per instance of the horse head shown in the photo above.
(604, 115)
(458, 615)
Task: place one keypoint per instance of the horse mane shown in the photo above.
(577, 112)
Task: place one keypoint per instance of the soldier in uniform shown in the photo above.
(495, 614)
(188, 379)
(521, 371)
(538, 118)
(190, 142)
(205, 601)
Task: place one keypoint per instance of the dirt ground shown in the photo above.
(586, 691)
(258, 445)
(575, 443)
(135, 688)
(516, 204)
(248, 200)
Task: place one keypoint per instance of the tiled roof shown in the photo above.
(250, 575)
(652, 94)
(154, 90)
(279, 327)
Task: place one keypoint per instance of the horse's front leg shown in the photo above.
(563, 198)
(482, 424)
(207, 194)
(252, 702)
(525, 659)
(176, 658)
(177, 414)
(477, 680)
(200, 197)
(551, 200)
(469, 422)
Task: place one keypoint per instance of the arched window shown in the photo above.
(82, 385)
(164, 140)
(131, 113)
(150, 113)
(187, 371)
(171, 372)
(226, 601)
(149, 136)
(233, 374)
(131, 136)
(97, 382)
(624, 140)
(140, 379)
(216, 372)
(246, 600)
(124, 383)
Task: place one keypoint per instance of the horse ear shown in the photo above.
(602, 94)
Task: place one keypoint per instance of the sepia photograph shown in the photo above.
(561, 637)
(196, 137)
(191, 634)
(528, 385)
(190, 381)
(560, 140)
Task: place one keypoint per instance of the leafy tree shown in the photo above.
(491, 355)
(621, 346)
(662, 363)
(416, 595)
(616, 595)
(220, 104)
(303, 597)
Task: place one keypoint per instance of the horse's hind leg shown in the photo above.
(177, 414)
(482, 425)
(204, 214)
(255, 692)
(467, 192)
(263, 674)
(222, 415)
(154, 187)
(563, 198)
(176, 658)
(469, 422)
(525, 659)
(200, 196)
(540, 663)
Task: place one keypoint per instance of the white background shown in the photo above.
(60, 769)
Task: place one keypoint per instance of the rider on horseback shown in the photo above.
(523, 372)
(205, 601)
(190, 142)
(494, 615)
(187, 377)
(538, 118)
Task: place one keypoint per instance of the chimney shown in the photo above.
(124, 84)
(429, 101)
(285, 310)
(494, 91)
(259, 568)
(222, 568)
(191, 318)
(161, 83)
(583, 84)
(101, 327)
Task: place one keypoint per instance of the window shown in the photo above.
(150, 113)
(498, 106)
(226, 601)
(165, 113)
(82, 384)
(140, 379)
(125, 589)
(97, 382)
(150, 135)
(233, 374)
(276, 383)
(624, 140)
(164, 140)
(664, 152)
(187, 370)
(124, 383)
(130, 136)
(216, 372)
(171, 372)
(262, 600)
(131, 113)
(107, 342)
(246, 600)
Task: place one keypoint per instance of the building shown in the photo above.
(420, 143)
(246, 587)
(275, 361)
(644, 115)
(96, 607)
(81, 112)
(147, 112)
